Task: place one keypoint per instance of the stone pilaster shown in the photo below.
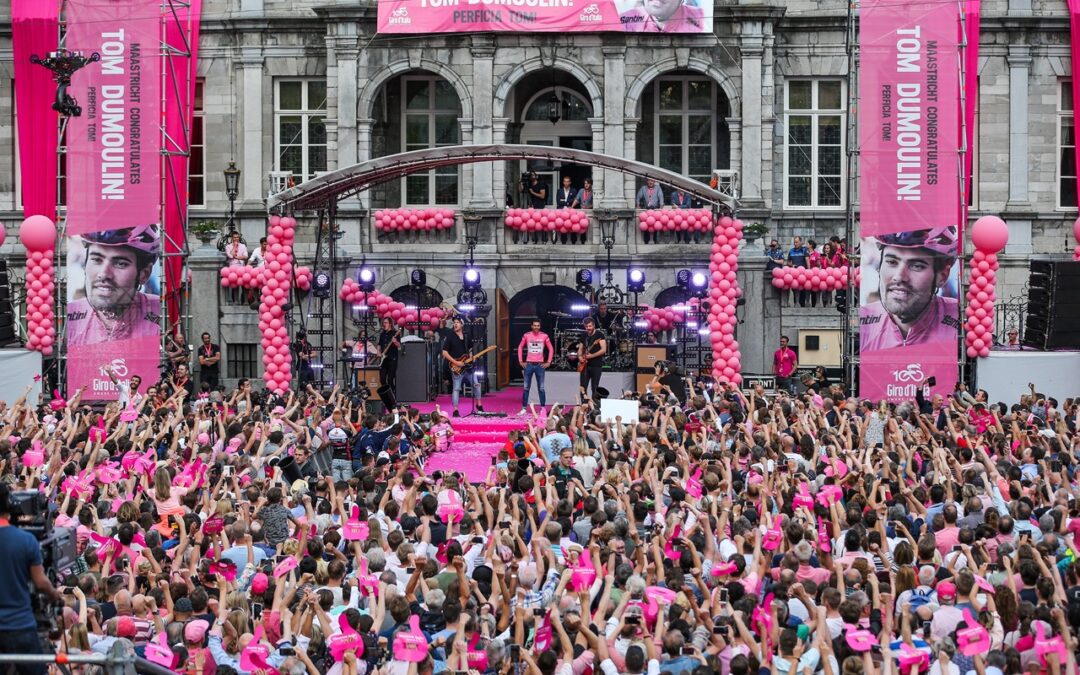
(1019, 62)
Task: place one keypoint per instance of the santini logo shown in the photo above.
(400, 17)
(907, 381)
(590, 14)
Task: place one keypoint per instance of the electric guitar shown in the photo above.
(382, 355)
(467, 362)
(582, 361)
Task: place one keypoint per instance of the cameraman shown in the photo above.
(21, 564)
(538, 191)
(670, 378)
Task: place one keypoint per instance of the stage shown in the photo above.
(478, 438)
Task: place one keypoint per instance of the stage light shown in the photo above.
(410, 308)
(635, 280)
(465, 309)
(699, 284)
(320, 284)
(418, 278)
(360, 308)
(682, 279)
(583, 277)
(471, 278)
(578, 308)
(703, 331)
(641, 324)
(366, 278)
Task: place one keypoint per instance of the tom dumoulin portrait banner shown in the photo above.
(508, 16)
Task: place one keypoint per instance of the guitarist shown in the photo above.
(389, 347)
(591, 358)
(456, 348)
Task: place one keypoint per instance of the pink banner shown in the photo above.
(545, 16)
(182, 34)
(1074, 41)
(114, 148)
(909, 189)
(36, 33)
(972, 24)
(113, 326)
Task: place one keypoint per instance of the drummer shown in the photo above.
(605, 318)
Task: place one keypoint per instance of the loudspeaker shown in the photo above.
(414, 372)
(7, 314)
(1053, 317)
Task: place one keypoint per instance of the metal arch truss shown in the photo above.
(343, 183)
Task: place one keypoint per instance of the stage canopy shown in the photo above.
(336, 185)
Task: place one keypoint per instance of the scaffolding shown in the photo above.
(850, 349)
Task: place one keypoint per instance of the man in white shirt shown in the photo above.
(258, 256)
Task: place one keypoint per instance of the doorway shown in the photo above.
(553, 306)
(573, 130)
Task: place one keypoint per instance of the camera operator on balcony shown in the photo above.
(20, 566)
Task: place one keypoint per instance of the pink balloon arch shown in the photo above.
(989, 234)
(812, 278)
(724, 293)
(563, 221)
(413, 220)
(276, 282)
(386, 307)
(38, 235)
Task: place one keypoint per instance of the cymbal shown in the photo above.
(561, 315)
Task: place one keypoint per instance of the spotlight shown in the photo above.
(699, 284)
(320, 284)
(419, 278)
(366, 278)
(466, 309)
(471, 278)
(583, 278)
(635, 280)
(578, 308)
(682, 279)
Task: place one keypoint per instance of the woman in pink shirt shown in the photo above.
(166, 495)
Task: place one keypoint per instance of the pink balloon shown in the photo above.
(990, 234)
(38, 233)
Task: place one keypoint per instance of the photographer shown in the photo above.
(21, 566)
(668, 377)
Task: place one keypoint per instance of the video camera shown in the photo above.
(29, 511)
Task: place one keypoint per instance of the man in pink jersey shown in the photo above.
(534, 354)
(914, 267)
(112, 306)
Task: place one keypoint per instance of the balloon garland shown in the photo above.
(38, 235)
(989, 234)
(276, 282)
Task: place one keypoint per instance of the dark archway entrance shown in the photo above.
(542, 302)
(672, 295)
(422, 297)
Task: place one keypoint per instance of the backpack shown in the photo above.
(920, 597)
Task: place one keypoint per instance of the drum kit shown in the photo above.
(569, 338)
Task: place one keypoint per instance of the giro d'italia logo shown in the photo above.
(590, 14)
(400, 17)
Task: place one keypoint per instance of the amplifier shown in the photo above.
(369, 377)
(641, 382)
(648, 355)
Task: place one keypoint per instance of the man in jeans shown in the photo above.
(531, 356)
(799, 256)
(20, 567)
(785, 362)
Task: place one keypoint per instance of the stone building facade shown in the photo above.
(305, 86)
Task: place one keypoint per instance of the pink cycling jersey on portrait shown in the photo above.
(938, 323)
(84, 327)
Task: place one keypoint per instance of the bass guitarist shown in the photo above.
(456, 350)
(591, 358)
(389, 348)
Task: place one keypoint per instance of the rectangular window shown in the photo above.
(61, 158)
(814, 164)
(243, 358)
(1066, 147)
(430, 112)
(685, 130)
(300, 127)
(197, 148)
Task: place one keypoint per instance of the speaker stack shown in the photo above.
(647, 356)
(8, 337)
(1053, 318)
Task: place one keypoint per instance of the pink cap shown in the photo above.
(195, 630)
(203, 438)
(259, 583)
(125, 627)
(946, 589)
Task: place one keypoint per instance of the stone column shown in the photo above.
(483, 190)
(254, 171)
(630, 127)
(752, 49)
(498, 174)
(345, 45)
(331, 120)
(612, 185)
(1019, 62)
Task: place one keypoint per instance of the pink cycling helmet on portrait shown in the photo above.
(143, 238)
(939, 240)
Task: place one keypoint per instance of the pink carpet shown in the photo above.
(476, 439)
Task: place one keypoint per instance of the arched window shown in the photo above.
(672, 296)
(685, 129)
(430, 109)
(417, 296)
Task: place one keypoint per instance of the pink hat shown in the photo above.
(946, 589)
(195, 630)
(125, 627)
(259, 583)
(279, 410)
(203, 438)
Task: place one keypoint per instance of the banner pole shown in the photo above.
(851, 229)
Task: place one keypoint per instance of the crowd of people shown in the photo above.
(736, 533)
